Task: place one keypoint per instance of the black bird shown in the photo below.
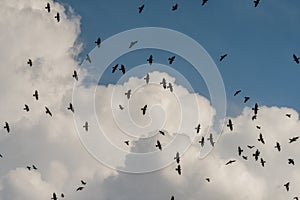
(75, 76)
(82, 182)
(150, 59)
(246, 99)
(278, 146)
(147, 78)
(256, 2)
(62, 195)
(258, 127)
(79, 188)
(291, 161)
(132, 43)
(175, 7)
(230, 125)
(178, 169)
(122, 69)
(163, 83)
(296, 198)
(161, 132)
(263, 162)
(171, 60)
(98, 42)
(86, 126)
(250, 147)
(121, 107)
(36, 95)
(88, 58)
(255, 109)
(230, 162)
(54, 197)
(7, 127)
(296, 59)
(158, 145)
(126, 142)
(114, 68)
(172, 198)
(29, 168)
(1, 156)
(256, 155)
(207, 179)
(202, 141)
(71, 107)
(294, 139)
(48, 111)
(237, 92)
(204, 2)
(254, 117)
(26, 108)
(245, 157)
(261, 139)
(48, 8)
(198, 128)
(288, 115)
(128, 94)
(177, 158)
(240, 151)
(29, 62)
(170, 86)
(57, 17)
(211, 139)
(287, 186)
(222, 57)
(144, 109)
(141, 8)
(34, 167)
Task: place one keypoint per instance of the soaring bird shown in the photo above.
(132, 43)
(114, 68)
(54, 197)
(296, 59)
(178, 169)
(177, 158)
(141, 8)
(86, 126)
(204, 2)
(287, 186)
(171, 60)
(7, 127)
(237, 92)
(121, 107)
(26, 108)
(144, 109)
(79, 188)
(263, 162)
(158, 145)
(246, 99)
(161, 132)
(147, 78)
(48, 111)
(240, 151)
(75, 76)
(122, 68)
(71, 108)
(291, 161)
(197, 128)
(294, 139)
(288, 115)
(88, 58)
(126, 142)
(256, 154)
(29, 62)
(256, 2)
(207, 179)
(250, 147)
(150, 59)
(48, 8)
(175, 7)
(98, 42)
(34, 167)
(245, 157)
(202, 141)
(222, 57)
(57, 16)
(36, 95)
(278, 146)
(83, 182)
(261, 139)
(230, 162)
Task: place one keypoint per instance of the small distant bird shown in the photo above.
(245, 157)
(261, 139)
(48, 8)
(240, 151)
(79, 188)
(207, 179)
(122, 68)
(114, 68)
(98, 42)
(246, 99)
(171, 60)
(86, 126)
(211, 139)
(258, 127)
(7, 127)
(158, 145)
(222, 57)
(204, 2)
(150, 59)
(198, 128)
(287, 186)
(62, 195)
(254, 117)
(170, 86)
(1, 156)
(54, 197)
(83, 182)
(161, 132)
(255, 109)
(29, 168)
(121, 107)
(288, 115)
(178, 169)
(126, 142)
(294, 139)
(147, 78)
(256, 154)
(128, 94)
(163, 83)
(230, 162)
(48, 111)
(278, 146)
(296, 198)
(291, 161)
(177, 158)
(88, 58)
(263, 162)
(75, 76)
(202, 141)
(172, 198)
(296, 59)
(144, 109)
(175, 7)
(71, 108)
(57, 17)
(29, 62)
(230, 125)
(36, 95)
(250, 147)
(141, 8)
(26, 108)
(34, 167)
(237, 92)
(132, 43)
(256, 2)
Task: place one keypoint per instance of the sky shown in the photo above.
(43, 154)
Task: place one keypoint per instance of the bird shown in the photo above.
(287, 186)
(48, 8)
(98, 42)
(263, 162)
(294, 139)
(172, 198)
(86, 126)
(202, 141)
(291, 161)
(170, 86)
(141, 8)
(288, 115)
(278, 146)
(121, 107)
(211, 140)
(250, 147)
(222, 57)
(122, 68)
(177, 158)
(126, 142)
(62, 195)
(296, 59)
(207, 179)
(7, 127)
(261, 139)
(26, 108)
(79, 188)
(150, 59)
(296, 198)
(258, 127)
(256, 154)
(144, 109)
(175, 7)
(255, 109)
(230, 162)
(57, 16)
(158, 145)
(83, 182)
(230, 125)
(237, 92)
(29, 62)
(128, 94)
(246, 99)
(132, 43)
(147, 78)
(163, 83)
(114, 68)
(171, 60)
(75, 76)
(256, 2)
(254, 117)
(204, 2)
(245, 157)
(54, 197)
(71, 108)
(48, 111)
(88, 58)
(36, 95)
(34, 167)
(198, 128)
(1, 156)
(178, 169)
(29, 168)
(240, 151)
(161, 132)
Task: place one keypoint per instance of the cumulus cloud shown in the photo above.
(52, 143)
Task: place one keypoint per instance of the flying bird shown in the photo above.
(230, 162)
(198, 128)
(296, 59)
(122, 68)
(98, 42)
(207, 179)
(294, 139)
(75, 76)
(150, 59)
(121, 107)
(48, 111)
(79, 188)
(83, 182)
(29, 62)
(287, 186)
(54, 197)
(291, 161)
(71, 108)
(1, 156)
(211, 140)
(246, 99)
(177, 158)
(88, 58)
(245, 157)
(263, 162)
(161, 132)
(86, 126)
(147, 78)
(172, 198)
(144, 109)
(237, 92)
(240, 151)
(126, 142)
(48, 8)
(222, 57)
(175, 7)
(250, 147)
(261, 139)
(178, 169)
(202, 141)
(26, 108)
(254, 117)
(256, 154)
(170, 86)
(128, 94)
(141, 8)
(163, 83)
(132, 43)
(255, 109)
(230, 125)
(256, 2)
(62, 195)
(34, 167)
(7, 127)
(288, 115)
(114, 68)
(29, 168)
(57, 17)
(258, 127)
(204, 2)
(278, 146)
(158, 145)
(171, 60)
(36, 95)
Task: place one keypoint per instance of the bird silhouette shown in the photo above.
(256, 2)
(291, 161)
(48, 8)
(57, 16)
(245, 157)
(263, 162)
(133, 43)
(36, 95)
(114, 68)
(71, 108)
(29, 62)
(80, 188)
(175, 7)
(287, 186)
(278, 146)
(121, 107)
(26, 108)
(223, 57)
(98, 42)
(171, 60)
(54, 197)
(178, 169)
(158, 145)
(204, 2)
(144, 109)
(250, 147)
(83, 182)
(88, 58)
(258, 127)
(294, 139)
(240, 151)
(246, 99)
(207, 179)
(34, 167)
(237, 92)
(150, 59)
(141, 8)
(202, 141)
(48, 111)
(256, 154)
(230, 162)
(75, 76)
(6, 126)
(172, 198)
(123, 69)
(162, 132)
(288, 115)
(261, 139)
(296, 59)
(126, 142)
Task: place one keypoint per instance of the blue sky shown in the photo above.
(259, 41)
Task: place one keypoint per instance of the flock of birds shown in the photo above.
(256, 154)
